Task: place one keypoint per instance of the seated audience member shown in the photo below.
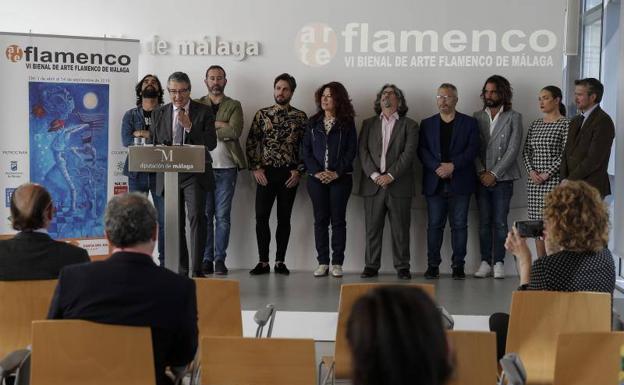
(32, 254)
(397, 337)
(576, 229)
(130, 289)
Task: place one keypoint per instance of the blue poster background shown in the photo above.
(69, 153)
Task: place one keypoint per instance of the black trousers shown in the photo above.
(329, 203)
(275, 190)
(192, 200)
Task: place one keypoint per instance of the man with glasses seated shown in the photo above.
(184, 121)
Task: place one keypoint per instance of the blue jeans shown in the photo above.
(144, 183)
(218, 208)
(493, 205)
(439, 207)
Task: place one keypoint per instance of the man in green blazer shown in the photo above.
(227, 158)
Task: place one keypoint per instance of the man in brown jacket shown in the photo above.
(590, 136)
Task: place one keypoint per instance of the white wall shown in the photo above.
(275, 25)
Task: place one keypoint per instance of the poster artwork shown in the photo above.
(69, 146)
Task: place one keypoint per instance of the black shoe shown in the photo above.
(199, 274)
(207, 267)
(261, 268)
(433, 272)
(219, 268)
(280, 268)
(404, 274)
(458, 273)
(369, 272)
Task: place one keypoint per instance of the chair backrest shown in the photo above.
(261, 361)
(475, 357)
(538, 317)
(218, 307)
(74, 352)
(349, 293)
(22, 302)
(588, 358)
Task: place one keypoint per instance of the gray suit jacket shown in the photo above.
(499, 150)
(400, 156)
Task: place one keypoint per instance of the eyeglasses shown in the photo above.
(178, 92)
(389, 92)
(445, 97)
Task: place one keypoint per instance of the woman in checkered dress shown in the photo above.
(542, 153)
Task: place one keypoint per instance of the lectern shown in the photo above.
(171, 160)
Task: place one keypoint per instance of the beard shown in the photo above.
(282, 101)
(492, 103)
(216, 90)
(149, 92)
(386, 103)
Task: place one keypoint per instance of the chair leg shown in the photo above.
(330, 373)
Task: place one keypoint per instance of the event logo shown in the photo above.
(120, 188)
(316, 44)
(68, 60)
(14, 53)
(13, 171)
(165, 155)
(8, 193)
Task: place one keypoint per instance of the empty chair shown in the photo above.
(475, 357)
(588, 358)
(340, 363)
(255, 361)
(218, 308)
(74, 352)
(22, 302)
(538, 317)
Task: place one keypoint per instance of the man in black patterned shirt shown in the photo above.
(273, 155)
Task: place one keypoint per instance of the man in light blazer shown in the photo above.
(590, 136)
(387, 148)
(447, 146)
(500, 130)
(184, 121)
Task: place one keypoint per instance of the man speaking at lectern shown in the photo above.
(184, 121)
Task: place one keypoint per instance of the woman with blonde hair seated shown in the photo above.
(576, 233)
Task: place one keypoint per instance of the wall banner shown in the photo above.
(60, 111)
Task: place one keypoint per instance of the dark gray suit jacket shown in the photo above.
(587, 150)
(129, 289)
(400, 156)
(34, 256)
(202, 133)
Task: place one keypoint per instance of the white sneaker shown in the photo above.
(499, 270)
(321, 270)
(485, 270)
(336, 271)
